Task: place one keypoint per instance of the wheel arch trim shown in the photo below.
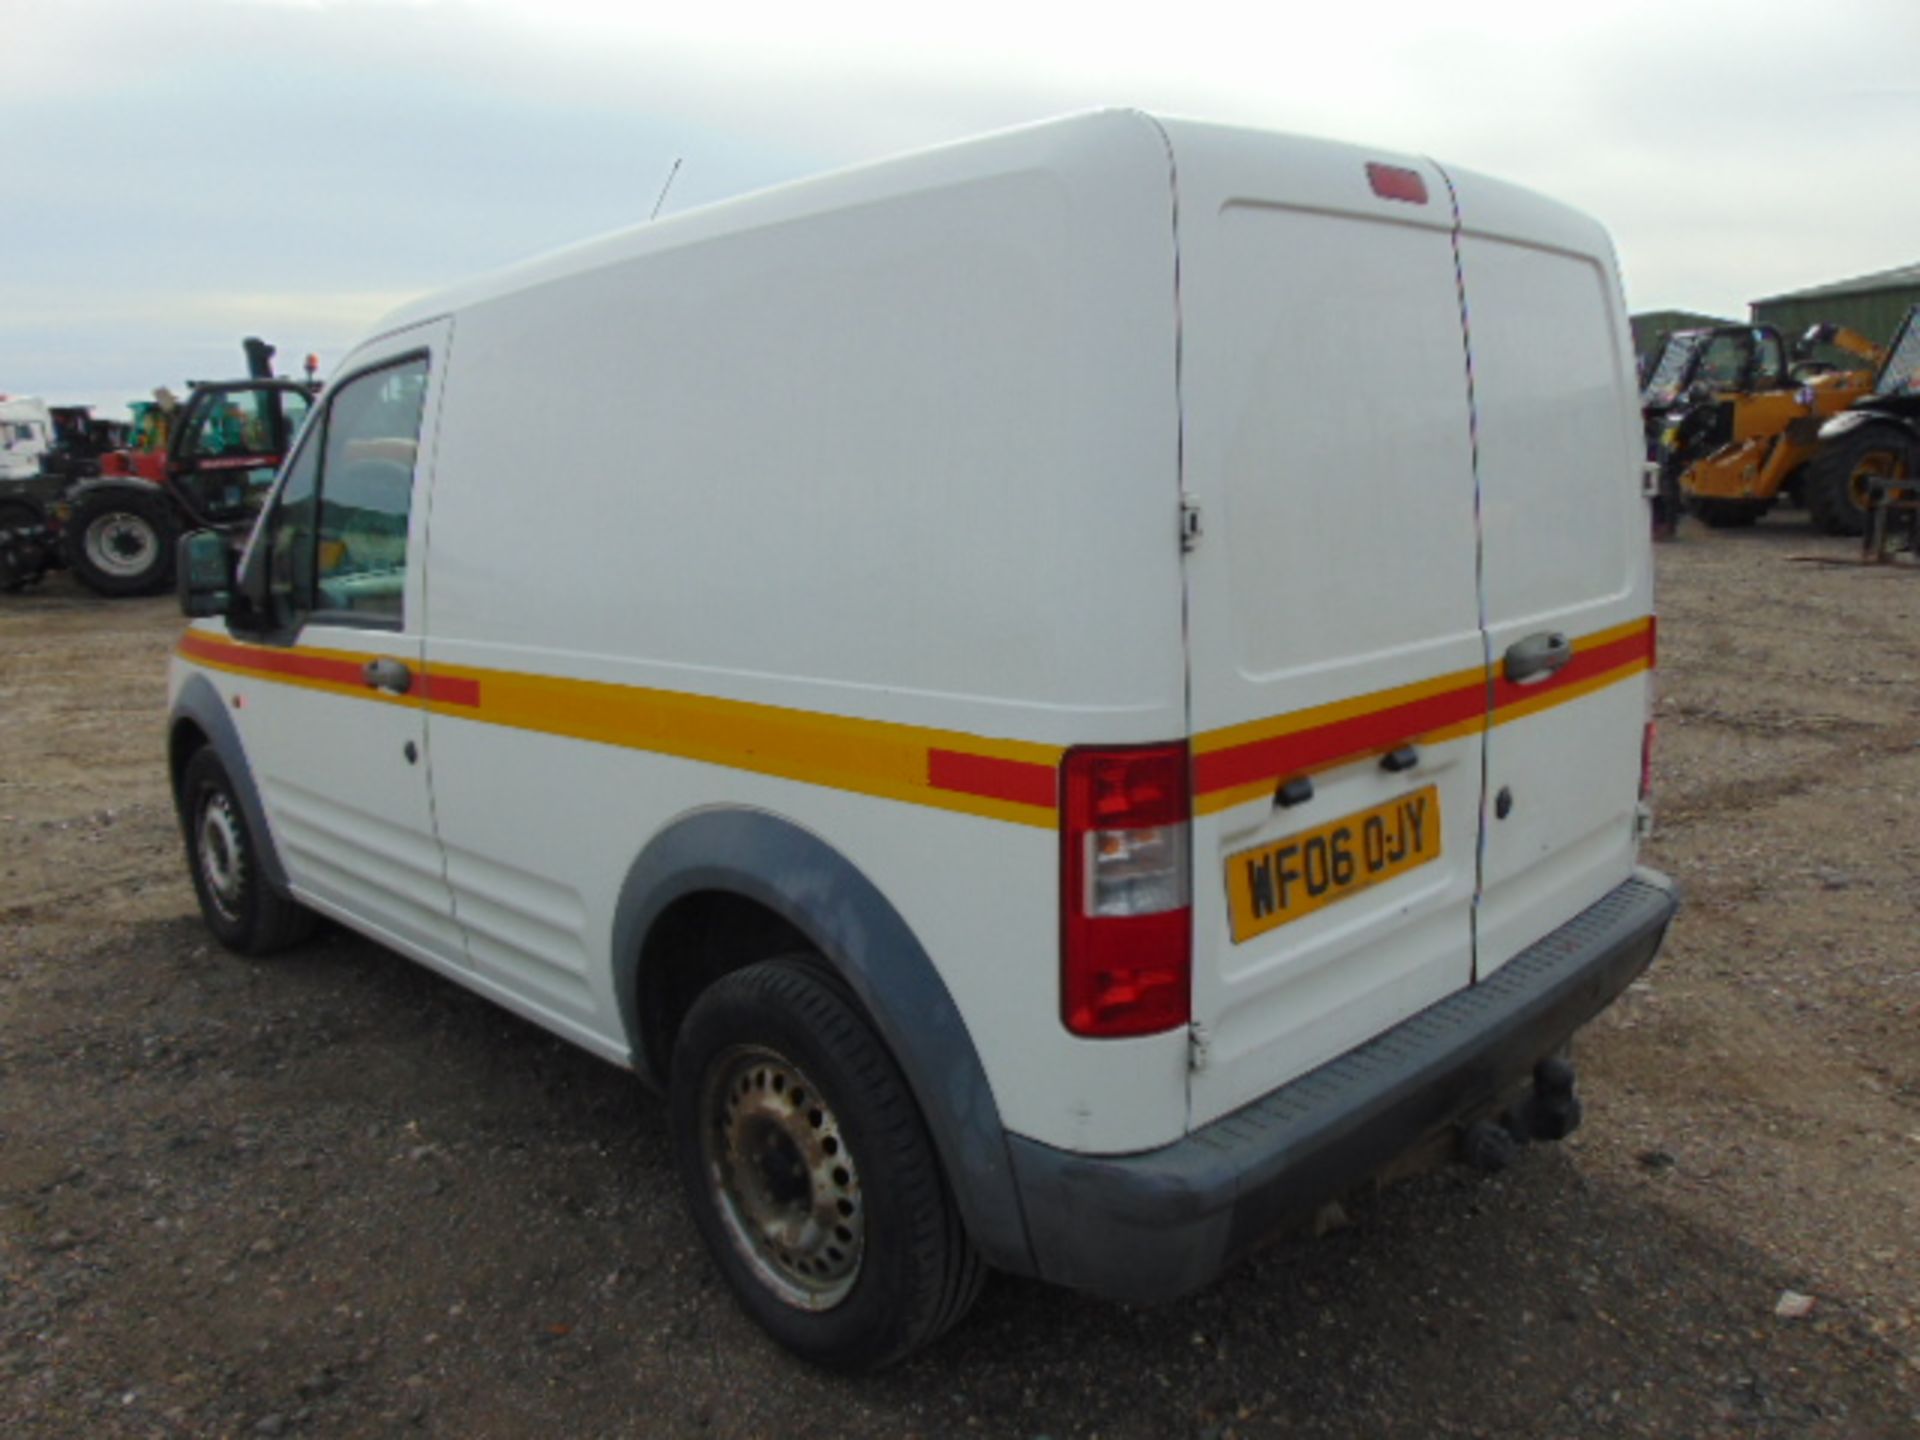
(795, 874)
(199, 703)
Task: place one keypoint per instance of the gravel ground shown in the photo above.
(333, 1195)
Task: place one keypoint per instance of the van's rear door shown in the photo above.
(1333, 601)
(1565, 558)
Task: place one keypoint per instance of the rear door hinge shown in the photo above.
(1189, 523)
(1198, 1048)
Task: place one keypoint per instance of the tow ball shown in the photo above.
(1549, 1111)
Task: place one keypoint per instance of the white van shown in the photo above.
(1068, 697)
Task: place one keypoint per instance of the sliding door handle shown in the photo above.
(388, 674)
(1537, 656)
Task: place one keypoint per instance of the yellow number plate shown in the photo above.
(1271, 884)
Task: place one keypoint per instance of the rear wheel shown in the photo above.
(120, 541)
(242, 910)
(1729, 514)
(1838, 487)
(810, 1172)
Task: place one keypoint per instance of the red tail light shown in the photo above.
(1126, 948)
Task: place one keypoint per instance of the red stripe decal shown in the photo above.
(1584, 666)
(447, 689)
(275, 662)
(1019, 781)
(1381, 730)
(264, 660)
(1336, 740)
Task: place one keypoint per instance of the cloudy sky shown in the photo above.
(183, 172)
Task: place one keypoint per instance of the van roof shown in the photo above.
(854, 185)
(1056, 142)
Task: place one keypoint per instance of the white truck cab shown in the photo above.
(26, 433)
(1068, 697)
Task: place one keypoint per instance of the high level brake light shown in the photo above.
(1397, 182)
(1126, 955)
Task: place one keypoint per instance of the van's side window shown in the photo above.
(339, 548)
(290, 556)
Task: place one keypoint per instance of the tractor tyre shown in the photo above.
(22, 560)
(1837, 476)
(120, 541)
(1729, 514)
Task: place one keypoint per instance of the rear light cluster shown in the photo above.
(1126, 956)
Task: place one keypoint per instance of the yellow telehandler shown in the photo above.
(1733, 416)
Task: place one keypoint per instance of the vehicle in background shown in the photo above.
(204, 463)
(1878, 437)
(79, 441)
(26, 433)
(1732, 416)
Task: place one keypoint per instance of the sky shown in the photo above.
(185, 172)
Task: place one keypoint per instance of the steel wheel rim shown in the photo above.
(1874, 465)
(782, 1178)
(222, 855)
(121, 543)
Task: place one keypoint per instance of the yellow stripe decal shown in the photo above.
(999, 779)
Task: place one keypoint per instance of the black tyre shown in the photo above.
(1837, 493)
(810, 1172)
(242, 910)
(21, 560)
(1729, 514)
(120, 541)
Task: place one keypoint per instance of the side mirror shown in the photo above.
(205, 567)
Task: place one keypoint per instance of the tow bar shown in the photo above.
(1549, 1111)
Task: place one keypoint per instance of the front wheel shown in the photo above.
(120, 541)
(810, 1173)
(240, 907)
(1838, 488)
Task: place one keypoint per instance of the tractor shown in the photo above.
(201, 464)
(1733, 417)
(1877, 439)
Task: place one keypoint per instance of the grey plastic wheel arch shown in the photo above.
(776, 864)
(199, 702)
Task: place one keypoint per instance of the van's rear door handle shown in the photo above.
(388, 674)
(1537, 656)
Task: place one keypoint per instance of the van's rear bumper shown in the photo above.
(1157, 1225)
